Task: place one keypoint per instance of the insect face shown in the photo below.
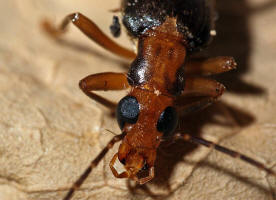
(136, 161)
(145, 118)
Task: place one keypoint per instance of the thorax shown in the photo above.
(160, 59)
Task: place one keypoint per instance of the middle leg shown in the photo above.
(199, 87)
(209, 66)
(202, 87)
(103, 81)
(209, 88)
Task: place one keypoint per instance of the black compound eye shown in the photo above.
(127, 111)
(167, 121)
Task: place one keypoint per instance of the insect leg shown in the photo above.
(93, 164)
(224, 150)
(197, 87)
(103, 81)
(210, 66)
(202, 87)
(91, 30)
(196, 106)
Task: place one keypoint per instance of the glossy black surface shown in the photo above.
(194, 18)
(138, 72)
(167, 121)
(127, 111)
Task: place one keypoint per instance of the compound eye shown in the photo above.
(127, 111)
(167, 121)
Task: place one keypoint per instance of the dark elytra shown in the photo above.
(193, 17)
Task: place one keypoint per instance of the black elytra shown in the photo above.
(194, 18)
(127, 111)
(167, 121)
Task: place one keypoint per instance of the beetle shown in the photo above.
(168, 32)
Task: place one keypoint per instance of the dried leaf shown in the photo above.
(50, 131)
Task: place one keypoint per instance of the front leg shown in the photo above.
(203, 87)
(91, 30)
(103, 81)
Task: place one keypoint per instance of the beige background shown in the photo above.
(50, 131)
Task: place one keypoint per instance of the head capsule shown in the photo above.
(145, 117)
(135, 160)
